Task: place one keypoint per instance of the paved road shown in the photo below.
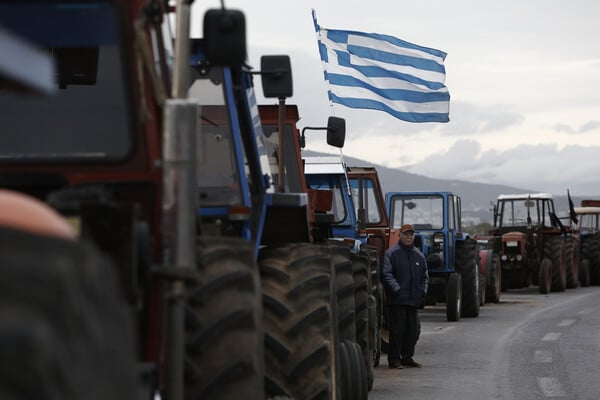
(528, 346)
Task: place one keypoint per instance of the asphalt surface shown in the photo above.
(528, 346)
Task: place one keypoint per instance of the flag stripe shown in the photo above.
(381, 72)
(420, 70)
(368, 71)
(395, 59)
(383, 51)
(417, 52)
(432, 106)
(411, 116)
(409, 95)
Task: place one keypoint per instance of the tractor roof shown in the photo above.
(525, 196)
(323, 165)
(587, 210)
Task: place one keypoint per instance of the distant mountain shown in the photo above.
(477, 198)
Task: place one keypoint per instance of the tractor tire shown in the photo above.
(361, 274)
(504, 283)
(299, 322)
(374, 333)
(454, 297)
(344, 284)
(482, 290)
(545, 276)
(554, 250)
(354, 382)
(376, 309)
(494, 287)
(584, 273)
(385, 326)
(594, 258)
(378, 326)
(572, 261)
(385, 340)
(466, 265)
(65, 330)
(224, 352)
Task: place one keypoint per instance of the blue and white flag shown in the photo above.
(381, 72)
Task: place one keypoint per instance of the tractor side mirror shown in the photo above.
(276, 76)
(225, 37)
(336, 131)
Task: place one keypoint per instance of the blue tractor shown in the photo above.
(251, 189)
(331, 174)
(452, 255)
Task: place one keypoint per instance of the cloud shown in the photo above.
(589, 126)
(469, 119)
(542, 167)
(563, 128)
(511, 90)
(585, 127)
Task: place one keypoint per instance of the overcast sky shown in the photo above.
(523, 76)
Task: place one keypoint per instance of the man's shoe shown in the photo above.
(409, 362)
(396, 366)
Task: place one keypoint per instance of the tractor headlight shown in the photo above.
(503, 257)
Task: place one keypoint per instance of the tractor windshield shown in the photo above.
(335, 183)
(588, 223)
(219, 171)
(88, 117)
(369, 202)
(515, 213)
(270, 141)
(422, 211)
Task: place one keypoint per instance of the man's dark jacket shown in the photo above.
(404, 275)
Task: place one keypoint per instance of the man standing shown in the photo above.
(406, 279)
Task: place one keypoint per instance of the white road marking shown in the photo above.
(585, 311)
(438, 330)
(551, 336)
(567, 322)
(542, 356)
(551, 387)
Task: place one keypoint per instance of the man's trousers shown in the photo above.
(403, 323)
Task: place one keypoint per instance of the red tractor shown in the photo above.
(490, 270)
(201, 270)
(533, 245)
(352, 270)
(588, 230)
(373, 230)
(155, 297)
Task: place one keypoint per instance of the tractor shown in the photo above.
(331, 224)
(588, 229)
(330, 173)
(194, 273)
(451, 254)
(374, 232)
(533, 245)
(490, 271)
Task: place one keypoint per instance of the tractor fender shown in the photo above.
(26, 213)
(485, 263)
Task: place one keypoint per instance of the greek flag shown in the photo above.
(381, 72)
